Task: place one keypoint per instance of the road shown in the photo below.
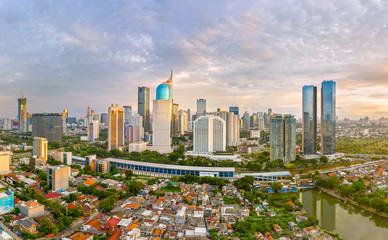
(10, 232)
(351, 167)
(75, 225)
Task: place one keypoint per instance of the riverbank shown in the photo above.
(338, 196)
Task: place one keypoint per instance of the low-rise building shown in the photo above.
(31, 208)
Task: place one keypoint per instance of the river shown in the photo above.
(350, 222)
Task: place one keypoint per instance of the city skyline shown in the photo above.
(255, 56)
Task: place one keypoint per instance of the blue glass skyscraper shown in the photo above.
(234, 110)
(309, 120)
(143, 107)
(328, 117)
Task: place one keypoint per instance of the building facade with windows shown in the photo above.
(166, 170)
(328, 117)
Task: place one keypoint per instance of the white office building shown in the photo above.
(209, 134)
(161, 138)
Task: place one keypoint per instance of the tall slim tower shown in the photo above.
(277, 137)
(162, 111)
(88, 112)
(309, 120)
(143, 107)
(115, 127)
(328, 117)
(246, 122)
(22, 114)
(289, 123)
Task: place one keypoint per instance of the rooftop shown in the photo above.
(177, 167)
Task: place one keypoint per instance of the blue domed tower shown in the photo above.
(164, 90)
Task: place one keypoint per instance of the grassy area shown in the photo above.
(363, 145)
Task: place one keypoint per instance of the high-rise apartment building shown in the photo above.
(276, 137)
(183, 122)
(209, 134)
(93, 130)
(135, 131)
(115, 127)
(260, 123)
(289, 138)
(283, 138)
(127, 114)
(232, 128)
(48, 125)
(40, 147)
(201, 106)
(22, 114)
(309, 138)
(143, 107)
(328, 117)
(58, 177)
(234, 110)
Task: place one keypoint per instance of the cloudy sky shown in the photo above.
(71, 54)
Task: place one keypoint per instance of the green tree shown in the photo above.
(135, 187)
(323, 160)
(277, 186)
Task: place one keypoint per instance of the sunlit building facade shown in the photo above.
(309, 142)
(209, 134)
(115, 127)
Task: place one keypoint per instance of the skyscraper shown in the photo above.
(283, 138)
(127, 114)
(277, 137)
(22, 114)
(88, 111)
(104, 118)
(115, 127)
(246, 122)
(201, 106)
(48, 125)
(309, 120)
(175, 120)
(234, 110)
(209, 134)
(143, 107)
(328, 117)
(183, 122)
(162, 111)
(93, 130)
(289, 123)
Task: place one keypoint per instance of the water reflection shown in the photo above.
(349, 221)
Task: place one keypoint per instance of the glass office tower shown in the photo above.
(328, 117)
(143, 107)
(127, 114)
(309, 120)
(234, 110)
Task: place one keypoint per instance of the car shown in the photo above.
(86, 218)
(50, 235)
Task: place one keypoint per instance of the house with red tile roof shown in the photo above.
(52, 195)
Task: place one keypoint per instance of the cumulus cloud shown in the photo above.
(257, 55)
